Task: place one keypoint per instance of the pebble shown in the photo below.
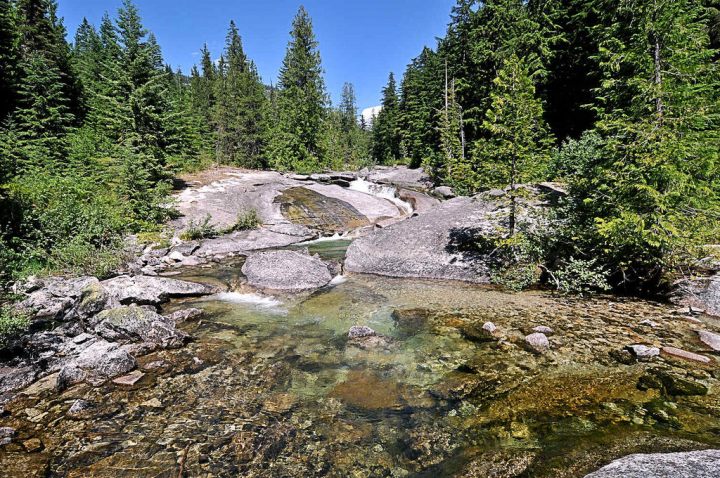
(710, 339)
(649, 323)
(33, 445)
(684, 354)
(79, 406)
(358, 331)
(130, 379)
(489, 327)
(6, 435)
(543, 329)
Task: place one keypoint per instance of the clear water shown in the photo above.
(272, 386)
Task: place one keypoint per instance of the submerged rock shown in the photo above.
(537, 343)
(286, 270)
(358, 331)
(671, 384)
(685, 355)
(710, 339)
(137, 323)
(6, 435)
(693, 464)
(186, 314)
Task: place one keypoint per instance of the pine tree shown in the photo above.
(295, 142)
(653, 195)
(421, 99)
(43, 117)
(9, 58)
(240, 108)
(386, 138)
(518, 146)
(457, 170)
(348, 108)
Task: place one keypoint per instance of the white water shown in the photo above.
(251, 299)
(381, 191)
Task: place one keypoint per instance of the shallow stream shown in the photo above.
(272, 386)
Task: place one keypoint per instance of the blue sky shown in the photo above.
(361, 41)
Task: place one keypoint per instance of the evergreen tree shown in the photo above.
(457, 170)
(240, 108)
(653, 194)
(348, 108)
(43, 117)
(518, 146)
(386, 138)
(9, 58)
(421, 99)
(295, 142)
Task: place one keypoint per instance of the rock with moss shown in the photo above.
(97, 363)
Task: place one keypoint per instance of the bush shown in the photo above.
(246, 220)
(581, 277)
(201, 229)
(12, 325)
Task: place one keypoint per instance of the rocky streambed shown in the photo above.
(223, 358)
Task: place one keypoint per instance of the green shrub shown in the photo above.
(246, 220)
(581, 277)
(201, 229)
(12, 325)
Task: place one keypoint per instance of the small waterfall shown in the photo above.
(381, 191)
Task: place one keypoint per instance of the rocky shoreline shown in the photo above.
(91, 332)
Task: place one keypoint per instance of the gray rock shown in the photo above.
(400, 176)
(537, 343)
(152, 290)
(543, 329)
(489, 327)
(6, 435)
(269, 236)
(286, 270)
(134, 324)
(16, 378)
(357, 331)
(444, 192)
(643, 352)
(185, 314)
(176, 256)
(97, 363)
(53, 297)
(78, 407)
(93, 299)
(185, 248)
(710, 339)
(442, 243)
(693, 464)
(700, 293)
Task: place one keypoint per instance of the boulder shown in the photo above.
(152, 290)
(693, 464)
(97, 363)
(134, 324)
(543, 329)
(442, 243)
(699, 293)
(53, 297)
(286, 270)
